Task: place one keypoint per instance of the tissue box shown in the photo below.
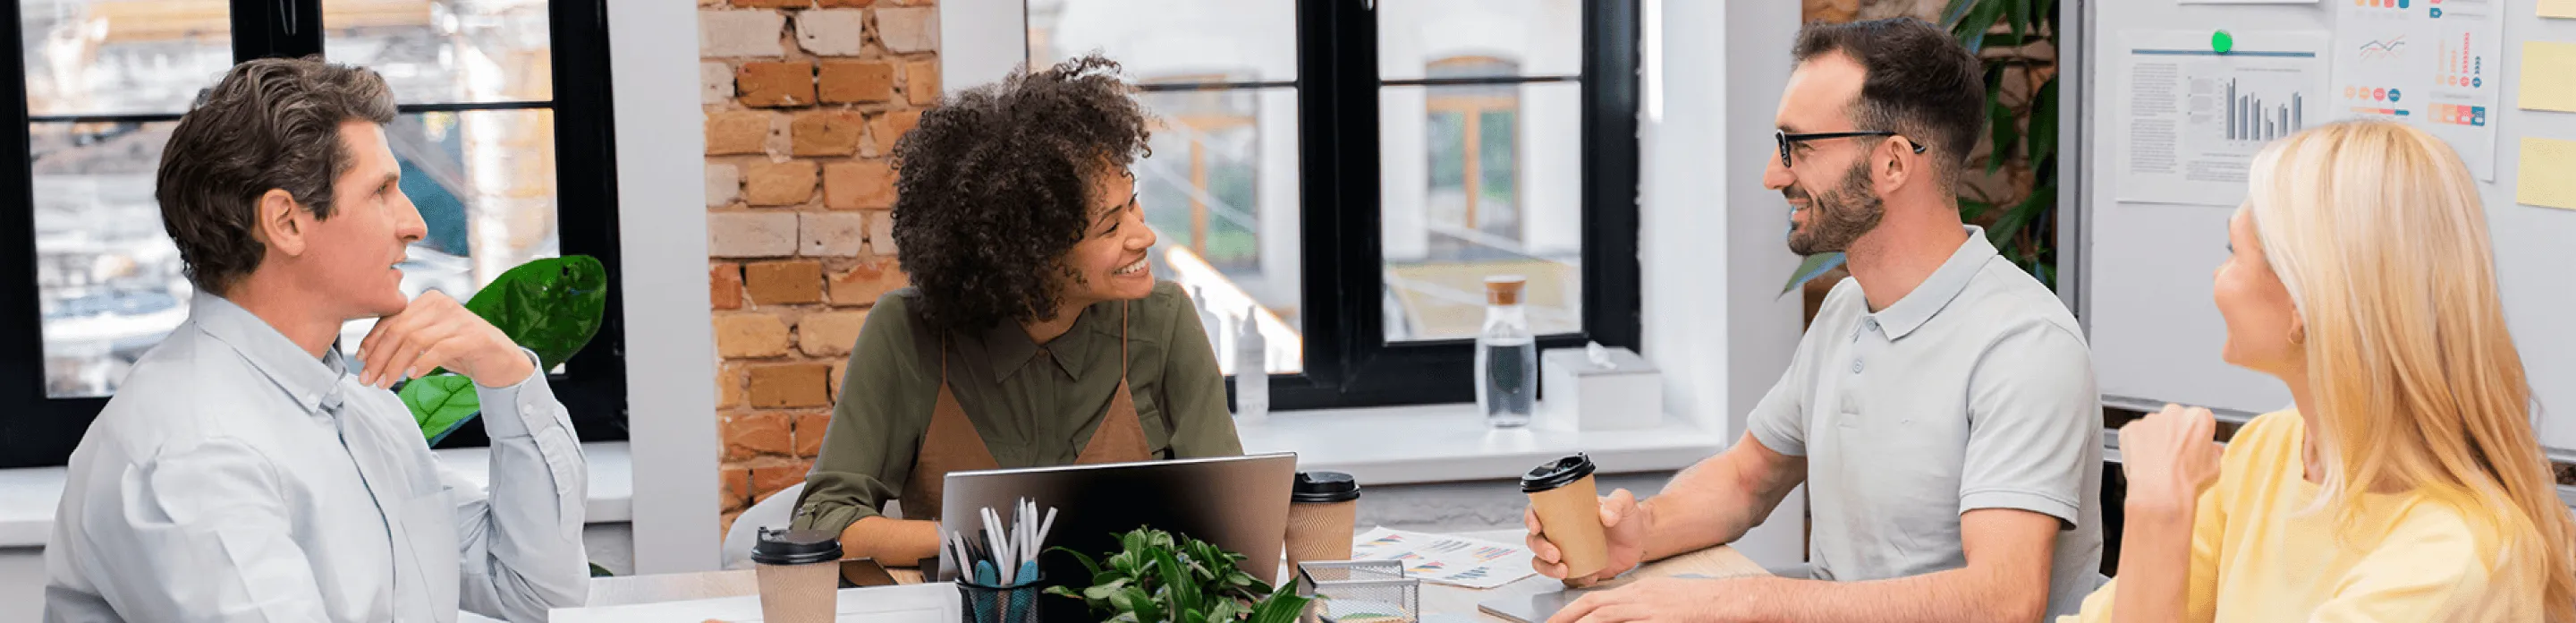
(1581, 396)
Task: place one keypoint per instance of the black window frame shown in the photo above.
(1348, 361)
(37, 430)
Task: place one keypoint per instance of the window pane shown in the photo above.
(1532, 37)
(1227, 40)
(446, 51)
(1477, 181)
(96, 57)
(109, 279)
(1220, 191)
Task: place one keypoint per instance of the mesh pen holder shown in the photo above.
(998, 604)
(1360, 591)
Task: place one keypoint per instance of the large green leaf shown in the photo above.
(440, 403)
(1955, 11)
(1281, 607)
(2000, 120)
(2021, 216)
(2043, 127)
(1809, 268)
(1971, 29)
(552, 306)
(1970, 209)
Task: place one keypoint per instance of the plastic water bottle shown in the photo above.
(1251, 370)
(1506, 356)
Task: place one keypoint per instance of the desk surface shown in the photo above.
(1436, 598)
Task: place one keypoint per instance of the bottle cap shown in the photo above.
(1504, 289)
(1557, 473)
(796, 547)
(1325, 488)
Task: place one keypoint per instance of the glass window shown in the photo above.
(1220, 189)
(101, 57)
(446, 52)
(1535, 37)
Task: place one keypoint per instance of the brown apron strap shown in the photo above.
(1120, 438)
(949, 445)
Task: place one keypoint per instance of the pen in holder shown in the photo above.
(997, 572)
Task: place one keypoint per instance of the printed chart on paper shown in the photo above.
(2429, 63)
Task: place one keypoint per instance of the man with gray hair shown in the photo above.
(1941, 407)
(246, 470)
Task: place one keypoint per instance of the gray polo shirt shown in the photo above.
(1974, 391)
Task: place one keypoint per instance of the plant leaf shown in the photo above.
(1809, 268)
(1970, 209)
(1280, 607)
(1958, 9)
(2021, 216)
(2006, 134)
(440, 403)
(2043, 126)
(2017, 13)
(552, 306)
(1971, 30)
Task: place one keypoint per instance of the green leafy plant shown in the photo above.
(2017, 42)
(1158, 577)
(551, 306)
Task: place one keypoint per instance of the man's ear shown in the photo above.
(281, 222)
(1896, 166)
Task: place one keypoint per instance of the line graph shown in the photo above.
(2383, 50)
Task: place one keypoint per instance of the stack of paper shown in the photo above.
(1452, 560)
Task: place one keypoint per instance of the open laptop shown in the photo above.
(1236, 503)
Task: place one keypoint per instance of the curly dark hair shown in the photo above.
(271, 123)
(994, 187)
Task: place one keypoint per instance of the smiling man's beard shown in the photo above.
(1835, 219)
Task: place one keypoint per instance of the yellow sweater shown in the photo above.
(2256, 557)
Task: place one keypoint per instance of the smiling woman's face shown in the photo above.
(1109, 263)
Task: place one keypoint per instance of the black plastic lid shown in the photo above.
(1557, 473)
(1325, 488)
(796, 547)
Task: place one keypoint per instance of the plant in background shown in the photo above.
(551, 306)
(1159, 577)
(2017, 202)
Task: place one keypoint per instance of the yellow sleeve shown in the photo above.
(2208, 526)
(2431, 567)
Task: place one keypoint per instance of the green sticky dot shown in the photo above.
(2222, 42)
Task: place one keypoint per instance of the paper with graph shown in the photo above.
(2433, 64)
(2192, 116)
(1453, 560)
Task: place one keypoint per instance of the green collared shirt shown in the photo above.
(1033, 405)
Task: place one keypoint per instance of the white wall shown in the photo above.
(662, 230)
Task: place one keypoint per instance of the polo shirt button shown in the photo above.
(1855, 366)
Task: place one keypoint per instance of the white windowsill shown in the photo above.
(1450, 442)
(28, 496)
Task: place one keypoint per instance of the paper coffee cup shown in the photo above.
(1569, 513)
(1322, 514)
(799, 573)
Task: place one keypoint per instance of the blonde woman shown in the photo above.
(2407, 485)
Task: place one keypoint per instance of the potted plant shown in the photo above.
(1159, 577)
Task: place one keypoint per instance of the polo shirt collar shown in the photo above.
(1938, 290)
(313, 383)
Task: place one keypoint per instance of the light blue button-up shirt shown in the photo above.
(234, 477)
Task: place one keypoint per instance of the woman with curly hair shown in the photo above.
(1035, 333)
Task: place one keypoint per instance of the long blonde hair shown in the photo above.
(2378, 233)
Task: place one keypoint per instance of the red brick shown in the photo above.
(908, 30)
(729, 388)
(921, 82)
(885, 129)
(750, 334)
(809, 433)
(790, 386)
(847, 4)
(786, 282)
(724, 282)
(773, 84)
(768, 183)
(867, 281)
(850, 82)
(737, 132)
(827, 132)
(752, 434)
(724, 522)
(829, 334)
(858, 185)
(772, 4)
(737, 488)
(767, 481)
(840, 368)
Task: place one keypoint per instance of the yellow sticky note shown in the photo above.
(2548, 175)
(2558, 8)
(2546, 67)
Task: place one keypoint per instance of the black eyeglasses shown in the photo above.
(1785, 139)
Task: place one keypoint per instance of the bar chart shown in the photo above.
(2251, 118)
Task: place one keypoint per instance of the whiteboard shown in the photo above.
(2146, 268)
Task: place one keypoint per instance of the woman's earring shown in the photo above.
(2298, 336)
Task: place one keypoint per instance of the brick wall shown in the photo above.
(803, 100)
